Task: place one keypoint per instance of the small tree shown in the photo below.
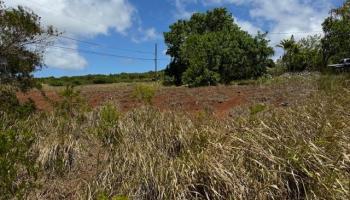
(22, 43)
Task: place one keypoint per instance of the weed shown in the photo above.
(72, 104)
(145, 92)
(107, 128)
(255, 109)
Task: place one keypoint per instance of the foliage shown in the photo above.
(145, 92)
(302, 55)
(210, 48)
(99, 79)
(336, 41)
(278, 70)
(107, 130)
(71, 104)
(22, 41)
(18, 168)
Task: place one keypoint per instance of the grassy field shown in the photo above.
(275, 138)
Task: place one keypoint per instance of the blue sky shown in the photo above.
(132, 27)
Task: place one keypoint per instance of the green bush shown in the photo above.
(72, 104)
(56, 83)
(145, 92)
(196, 77)
(18, 167)
(278, 70)
(168, 80)
(107, 128)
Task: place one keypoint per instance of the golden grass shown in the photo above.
(300, 152)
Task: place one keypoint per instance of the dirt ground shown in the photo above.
(220, 100)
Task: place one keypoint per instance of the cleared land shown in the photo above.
(220, 100)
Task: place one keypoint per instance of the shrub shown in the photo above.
(56, 83)
(168, 80)
(278, 70)
(107, 129)
(17, 162)
(72, 103)
(200, 77)
(145, 92)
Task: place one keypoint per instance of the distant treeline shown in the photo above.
(100, 79)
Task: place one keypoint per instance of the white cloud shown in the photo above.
(146, 35)
(291, 17)
(181, 11)
(65, 58)
(82, 19)
(219, 2)
(248, 26)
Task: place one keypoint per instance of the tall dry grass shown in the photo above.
(300, 152)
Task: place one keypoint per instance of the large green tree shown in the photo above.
(210, 48)
(22, 43)
(336, 41)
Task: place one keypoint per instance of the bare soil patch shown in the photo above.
(219, 100)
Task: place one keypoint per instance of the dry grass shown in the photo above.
(299, 152)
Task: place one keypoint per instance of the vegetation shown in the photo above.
(302, 55)
(99, 79)
(210, 48)
(296, 152)
(22, 41)
(263, 152)
(314, 53)
(336, 42)
(145, 93)
(18, 168)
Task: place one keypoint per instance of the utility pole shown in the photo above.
(156, 61)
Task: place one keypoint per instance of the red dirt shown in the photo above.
(219, 100)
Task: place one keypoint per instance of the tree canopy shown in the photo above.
(304, 54)
(336, 41)
(22, 43)
(210, 48)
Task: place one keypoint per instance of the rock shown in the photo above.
(284, 104)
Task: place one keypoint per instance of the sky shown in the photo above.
(127, 30)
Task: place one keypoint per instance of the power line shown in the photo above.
(101, 53)
(103, 46)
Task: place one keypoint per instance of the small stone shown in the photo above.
(284, 104)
